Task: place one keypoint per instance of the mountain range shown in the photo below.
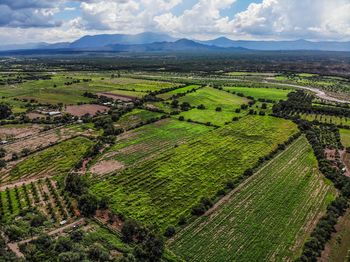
(153, 42)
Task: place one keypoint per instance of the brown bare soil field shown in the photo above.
(10, 133)
(35, 115)
(80, 110)
(118, 97)
(39, 141)
(106, 166)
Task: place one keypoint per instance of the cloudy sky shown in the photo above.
(65, 20)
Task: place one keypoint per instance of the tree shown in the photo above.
(88, 204)
(75, 184)
(169, 232)
(97, 253)
(218, 109)
(5, 111)
(129, 230)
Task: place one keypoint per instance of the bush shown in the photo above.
(169, 232)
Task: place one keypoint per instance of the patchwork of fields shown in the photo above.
(267, 218)
(146, 142)
(56, 160)
(162, 189)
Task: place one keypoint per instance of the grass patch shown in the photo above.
(345, 137)
(274, 94)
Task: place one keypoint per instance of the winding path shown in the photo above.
(319, 93)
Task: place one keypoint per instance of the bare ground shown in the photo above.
(106, 166)
(80, 110)
(118, 97)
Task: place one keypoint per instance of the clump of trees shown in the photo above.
(149, 243)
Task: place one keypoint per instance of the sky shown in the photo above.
(23, 21)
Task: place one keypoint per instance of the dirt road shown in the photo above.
(319, 93)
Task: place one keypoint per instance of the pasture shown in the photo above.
(162, 189)
(212, 98)
(274, 94)
(267, 218)
(345, 137)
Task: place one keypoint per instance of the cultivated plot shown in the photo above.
(145, 143)
(160, 190)
(274, 94)
(267, 218)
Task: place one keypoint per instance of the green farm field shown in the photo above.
(274, 94)
(267, 218)
(212, 98)
(161, 190)
(345, 137)
(152, 139)
(181, 90)
(55, 91)
(55, 160)
(210, 116)
(135, 117)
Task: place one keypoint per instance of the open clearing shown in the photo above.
(267, 219)
(81, 110)
(12, 132)
(212, 98)
(166, 187)
(274, 94)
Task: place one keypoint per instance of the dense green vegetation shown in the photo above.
(261, 220)
(165, 188)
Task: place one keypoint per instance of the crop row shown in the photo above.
(165, 188)
(268, 218)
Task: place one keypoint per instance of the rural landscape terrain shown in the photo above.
(104, 163)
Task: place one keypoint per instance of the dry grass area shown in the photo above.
(106, 167)
(38, 141)
(10, 132)
(81, 110)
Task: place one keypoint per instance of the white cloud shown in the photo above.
(324, 19)
(203, 18)
(124, 16)
(35, 20)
